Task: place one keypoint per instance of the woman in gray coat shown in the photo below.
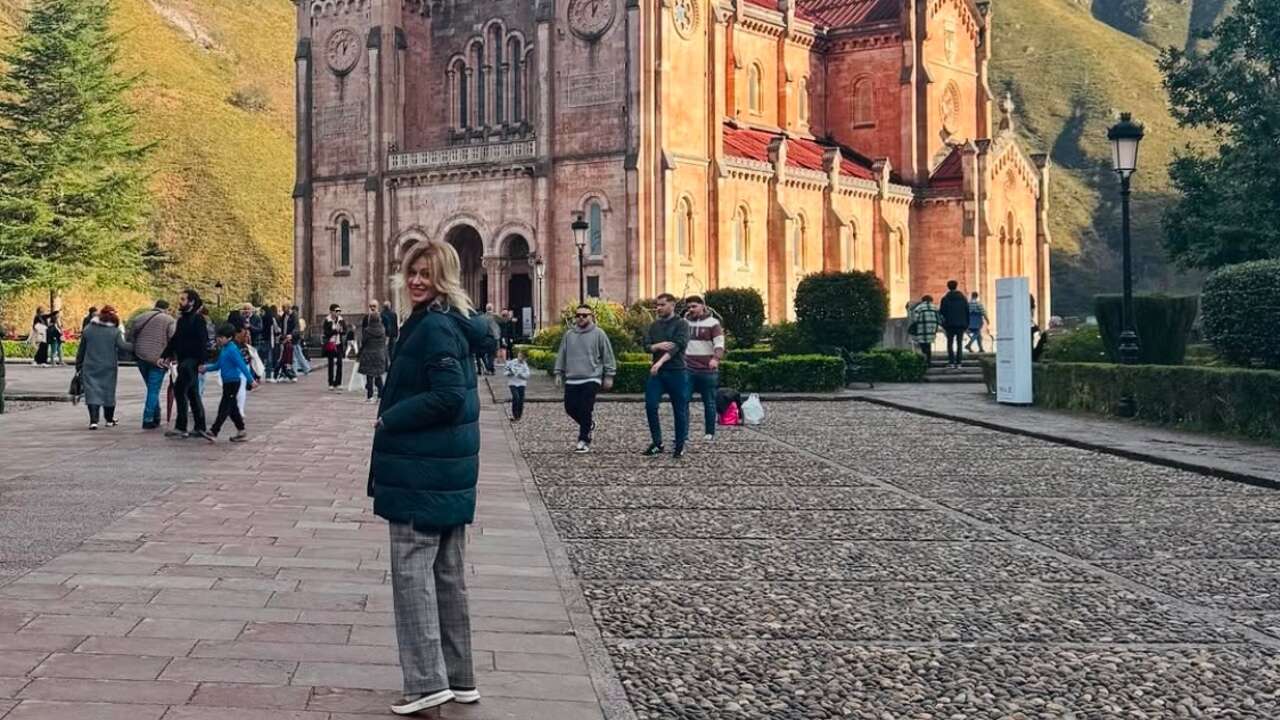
(98, 363)
(373, 354)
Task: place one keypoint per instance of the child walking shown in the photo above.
(517, 372)
(233, 370)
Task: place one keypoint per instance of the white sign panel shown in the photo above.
(1013, 341)
(526, 317)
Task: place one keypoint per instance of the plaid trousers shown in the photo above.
(429, 592)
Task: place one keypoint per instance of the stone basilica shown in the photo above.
(707, 143)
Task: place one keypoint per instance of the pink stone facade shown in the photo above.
(707, 143)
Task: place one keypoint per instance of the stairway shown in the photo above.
(970, 371)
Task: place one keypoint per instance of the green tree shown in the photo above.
(73, 200)
(1230, 195)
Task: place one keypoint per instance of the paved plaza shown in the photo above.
(844, 560)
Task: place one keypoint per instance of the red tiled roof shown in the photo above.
(766, 4)
(847, 13)
(801, 152)
(949, 173)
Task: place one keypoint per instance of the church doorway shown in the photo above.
(519, 281)
(466, 240)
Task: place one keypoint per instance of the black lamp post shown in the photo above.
(539, 272)
(580, 228)
(217, 293)
(1125, 137)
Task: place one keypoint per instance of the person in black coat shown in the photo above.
(189, 348)
(954, 311)
(392, 325)
(422, 477)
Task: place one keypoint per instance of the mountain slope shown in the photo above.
(1070, 75)
(216, 93)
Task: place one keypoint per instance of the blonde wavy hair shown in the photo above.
(444, 267)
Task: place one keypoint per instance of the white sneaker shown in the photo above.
(409, 706)
(709, 437)
(465, 697)
(93, 426)
(582, 448)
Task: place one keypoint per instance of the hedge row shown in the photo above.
(887, 365)
(791, 373)
(1228, 400)
(20, 349)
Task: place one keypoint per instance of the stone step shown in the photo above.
(954, 378)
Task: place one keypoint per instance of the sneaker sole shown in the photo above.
(430, 701)
(466, 697)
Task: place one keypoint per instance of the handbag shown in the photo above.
(76, 389)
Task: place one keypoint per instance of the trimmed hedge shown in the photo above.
(796, 373)
(1241, 303)
(749, 355)
(1163, 324)
(19, 349)
(846, 310)
(1081, 344)
(741, 312)
(786, 338)
(887, 365)
(1225, 400)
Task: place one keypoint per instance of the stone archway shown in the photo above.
(466, 240)
(519, 279)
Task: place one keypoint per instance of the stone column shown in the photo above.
(372, 221)
(303, 242)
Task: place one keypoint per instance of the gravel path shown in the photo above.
(852, 561)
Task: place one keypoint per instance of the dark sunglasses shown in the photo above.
(585, 315)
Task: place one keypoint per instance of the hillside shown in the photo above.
(216, 91)
(1070, 74)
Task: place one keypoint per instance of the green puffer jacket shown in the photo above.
(426, 454)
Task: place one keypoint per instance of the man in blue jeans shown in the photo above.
(702, 357)
(667, 339)
(149, 333)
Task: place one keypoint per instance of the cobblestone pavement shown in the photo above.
(855, 561)
(199, 582)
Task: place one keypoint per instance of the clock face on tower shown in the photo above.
(343, 51)
(589, 19)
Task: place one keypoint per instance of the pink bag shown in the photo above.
(730, 415)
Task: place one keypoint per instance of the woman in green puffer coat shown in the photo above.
(422, 477)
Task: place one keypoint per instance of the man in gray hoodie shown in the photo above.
(584, 365)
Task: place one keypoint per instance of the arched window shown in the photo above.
(797, 244)
(863, 103)
(595, 234)
(494, 42)
(754, 99)
(804, 100)
(684, 228)
(1017, 253)
(1004, 253)
(481, 84)
(344, 243)
(515, 56)
(458, 88)
(741, 238)
(901, 260)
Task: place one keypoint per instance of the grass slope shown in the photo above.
(1070, 75)
(222, 175)
(1161, 23)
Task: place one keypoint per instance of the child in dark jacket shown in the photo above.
(233, 370)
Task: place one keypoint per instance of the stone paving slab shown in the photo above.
(917, 525)
(251, 581)
(724, 497)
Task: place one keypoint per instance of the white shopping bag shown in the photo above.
(255, 363)
(753, 410)
(356, 383)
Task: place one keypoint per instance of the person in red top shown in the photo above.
(702, 357)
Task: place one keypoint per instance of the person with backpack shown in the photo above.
(149, 333)
(954, 311)
(923, 327)
(977, 320)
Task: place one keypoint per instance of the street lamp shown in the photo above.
(217, 293)
(539, 272)
(1125, 137)
(580, 228)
